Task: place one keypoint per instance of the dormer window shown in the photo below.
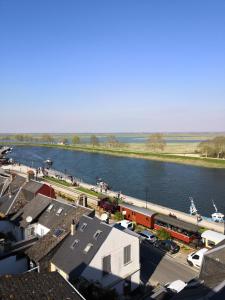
(75, 244)
(59, 211)
(50, 207)
(88, 248)
(97, 234)
(83, 226)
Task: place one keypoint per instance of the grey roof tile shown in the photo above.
(73, 260)
(48, 242)
(36, 286)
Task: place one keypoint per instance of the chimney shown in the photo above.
(72, 228)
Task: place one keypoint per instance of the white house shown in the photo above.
(99, 252)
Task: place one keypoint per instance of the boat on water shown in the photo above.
(217, 216)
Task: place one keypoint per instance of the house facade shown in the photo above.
(101, 253)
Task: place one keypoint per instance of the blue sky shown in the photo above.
(112, 65)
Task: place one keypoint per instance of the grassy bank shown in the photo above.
(137, 153)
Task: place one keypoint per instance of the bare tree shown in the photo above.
(47, 138)
(94, 141)
(156, 142)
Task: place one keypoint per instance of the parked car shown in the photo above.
(147, 236)
(167, 245)
(126, 224)
(195, 258)
(176, 286)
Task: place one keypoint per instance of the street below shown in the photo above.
(157, 267)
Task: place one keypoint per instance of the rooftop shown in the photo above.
(142, 210)
(81, 247)
(37, 286)
(59, 225)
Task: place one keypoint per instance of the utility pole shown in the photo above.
(146, 196)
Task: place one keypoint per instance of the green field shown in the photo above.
(179, 152)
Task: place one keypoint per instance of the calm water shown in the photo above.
(169, 184)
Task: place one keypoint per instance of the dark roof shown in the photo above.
(142, 210)
(202, 291)
(176, 222)
(17, 182)
(6, 201)
(63, 222)
(50, 218)
(34, 208)
(33, 186)
(37, 286)
(74, 260)
(13, 198)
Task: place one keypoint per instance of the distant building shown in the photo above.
(19, 192)
(101, 253)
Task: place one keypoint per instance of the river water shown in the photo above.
(167, 184)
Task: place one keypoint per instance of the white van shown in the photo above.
(195, 258)
(126, 224)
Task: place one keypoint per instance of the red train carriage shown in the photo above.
(140, 215)
(178, 229)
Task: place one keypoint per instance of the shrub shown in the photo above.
(163, 234)
(118, 216)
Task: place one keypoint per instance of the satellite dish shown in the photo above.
(29, 219)
(104, 217)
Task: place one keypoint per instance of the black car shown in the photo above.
(167, 245)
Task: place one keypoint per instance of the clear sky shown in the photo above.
(112, 65)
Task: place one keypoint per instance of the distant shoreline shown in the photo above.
(171, 158)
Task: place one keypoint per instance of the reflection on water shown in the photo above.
(169, 184)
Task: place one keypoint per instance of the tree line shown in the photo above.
(213, 148)
(154, 142)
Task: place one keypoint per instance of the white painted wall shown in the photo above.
(12, 265)
(114, 246)
(41, 230)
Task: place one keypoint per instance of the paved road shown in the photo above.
(156, 267)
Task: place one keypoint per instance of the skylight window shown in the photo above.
(97, 234)
(75, 244)
(57, 232)
(88, 248)
(50, 207)
(83, 226)
(59, 211)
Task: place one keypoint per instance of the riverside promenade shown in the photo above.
(22, 170)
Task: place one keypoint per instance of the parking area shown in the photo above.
(158, 267)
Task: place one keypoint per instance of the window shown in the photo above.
(127, 255)
(83, 226)
(106, 265)
(97, 234)
(57, 232)
(50, 207)
(211, 243)
(59, 211)
(75, 244)
(88, 248)
(195, 256)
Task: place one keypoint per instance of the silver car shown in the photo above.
(148, 236)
